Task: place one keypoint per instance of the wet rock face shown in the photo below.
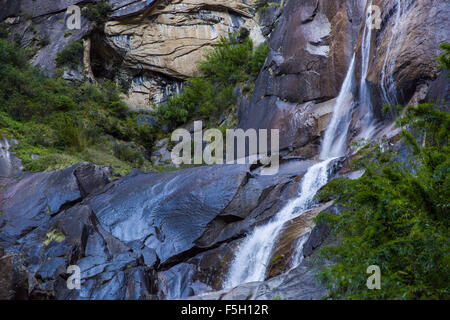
(159, 48)
(201, 273)
(169, 211)
(13, 284)
(109, 269)
(406, 47)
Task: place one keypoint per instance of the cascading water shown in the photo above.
(387, 80)
(365, 103)
(253, 255)
(298, 256)
(335, 140)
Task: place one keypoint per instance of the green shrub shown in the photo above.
(119, 108)
(444, 59)
(60, 121)
(71, 56)
(98, 13)
(12, 56)
(71, 134)
(146, 135)
(233, 60)
(262, 4)
(396, 216)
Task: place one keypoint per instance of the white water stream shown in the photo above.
(365, 104)
(253, 255)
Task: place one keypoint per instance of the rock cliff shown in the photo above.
(173, 235)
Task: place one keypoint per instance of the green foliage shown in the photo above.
(63, 123)
(128, 154)
(230, 62)
(98, 13)
(71, 56)
(396, 216)
(444, 59)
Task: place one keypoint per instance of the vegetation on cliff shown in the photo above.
(232, 61)
(71, 56)
(396, 216)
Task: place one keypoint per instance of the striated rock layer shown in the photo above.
(161, 46)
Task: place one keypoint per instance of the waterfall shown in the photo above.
(335, 140)
(365, 103)
(253, 254)
(252, 257)
(298, 256)
(388, 89)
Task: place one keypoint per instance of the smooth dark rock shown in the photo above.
(31, 201)
(439, 91)
(124, 8)
(318, 235)
(167, 211)
(298, 284)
